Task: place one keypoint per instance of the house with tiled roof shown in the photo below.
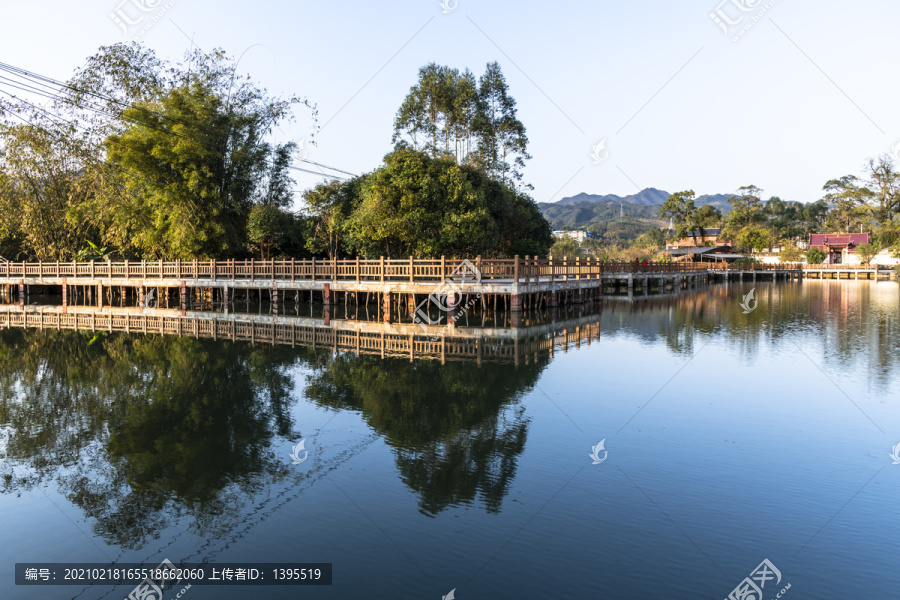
(711, 236)
(840, 247)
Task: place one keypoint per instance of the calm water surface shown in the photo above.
(729, 438)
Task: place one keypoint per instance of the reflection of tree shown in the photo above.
(851, 325)
(457, 428)
(141, 430)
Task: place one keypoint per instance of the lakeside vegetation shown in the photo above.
(139, 158)
(869, 204)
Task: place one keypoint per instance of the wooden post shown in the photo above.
(381, 269)
(252, 270)
(411, 270)
(213, 266)
(443, 268)
(516, 269)
(388, 306)
(357, 269)
(314, 268)
(293, 269)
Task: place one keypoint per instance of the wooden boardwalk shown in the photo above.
(514, 284)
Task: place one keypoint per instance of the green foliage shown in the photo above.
(152, 159)
(447, 114)
(566, 246)
(849, 201)
(42, 182)
(416, 205)
(269, 228)
(815, 256)
(867, 252)
(680, 209)
(93, 252)
(791, 254)
(755, 238)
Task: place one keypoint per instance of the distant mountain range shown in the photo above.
(647, 197)
(581, 210)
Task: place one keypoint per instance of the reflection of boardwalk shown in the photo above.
(405, 340)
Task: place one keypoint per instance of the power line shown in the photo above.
(56, 95)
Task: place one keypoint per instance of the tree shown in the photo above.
(502, 138)
(448, 114)
(330, 206)
(848, 199)
(566, 246)
(815, 256)
(708, 216)
(680, 209)
(755, 238)
(867, 252)
(43, 180)
(791, 254)
(159, 160)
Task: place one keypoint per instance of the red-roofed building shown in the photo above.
(840, 247)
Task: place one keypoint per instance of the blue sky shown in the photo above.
(807, 94)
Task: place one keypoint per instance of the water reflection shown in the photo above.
(457, 429)
(143, 431)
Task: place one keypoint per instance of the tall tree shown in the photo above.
(680, 209)
(848, 199)
(502, 138)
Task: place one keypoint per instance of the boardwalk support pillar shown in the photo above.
(387, 305)
(515, 303)
(327, 299)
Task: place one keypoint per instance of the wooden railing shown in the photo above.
(844, 267)
(412, 270)
(358, 269)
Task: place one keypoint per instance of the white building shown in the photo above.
(578, 236)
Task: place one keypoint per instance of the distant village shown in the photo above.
(708, 245)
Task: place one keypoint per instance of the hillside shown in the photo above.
(582, 210)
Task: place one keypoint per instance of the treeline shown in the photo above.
(139, 158)
(867, 204)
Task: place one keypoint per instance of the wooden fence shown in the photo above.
(358, 269)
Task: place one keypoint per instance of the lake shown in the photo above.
(662, 448)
